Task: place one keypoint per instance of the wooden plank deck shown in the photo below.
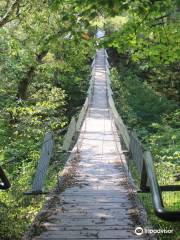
(99, 203)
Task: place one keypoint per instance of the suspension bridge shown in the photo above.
(99, 202)
(96, 197)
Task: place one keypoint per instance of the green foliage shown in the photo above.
(156, 121)
(155, 118)
(138, 102)
(149, 37)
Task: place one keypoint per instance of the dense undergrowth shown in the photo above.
(156, 121)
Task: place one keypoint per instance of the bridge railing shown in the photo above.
(118, 120)
(43, 164)
(143, 162)
(69, 139)
(76, 122)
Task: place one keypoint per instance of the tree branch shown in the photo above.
(9, 12)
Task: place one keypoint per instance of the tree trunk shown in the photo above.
(24, 83)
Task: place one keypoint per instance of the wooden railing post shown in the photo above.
(143, 180)
(45, 156)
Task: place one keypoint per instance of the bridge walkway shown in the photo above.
(99, 203)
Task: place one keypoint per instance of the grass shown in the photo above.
(171, 200)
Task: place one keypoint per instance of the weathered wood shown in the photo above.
(42, 168)
(80, 118)
(118, 120)
(108, 234)
(94, 227)
(137, 152)
(69, 135)
(143, 183)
